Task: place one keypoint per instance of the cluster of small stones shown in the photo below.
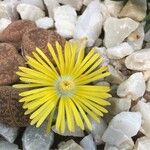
(117, 32)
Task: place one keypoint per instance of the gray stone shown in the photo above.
(135, 9)
(8, 133)
(70, 145)
(114, 7)
(87, 143)
(78, 132)
(8, 146)
(97, 131)
(36, 138)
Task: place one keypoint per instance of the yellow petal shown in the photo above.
(26, 93)
(83, 115)
(70, 120)
(76, 115)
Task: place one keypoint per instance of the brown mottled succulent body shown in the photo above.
(14, 32)
(39, 38)
(9, 62)
(11, 111)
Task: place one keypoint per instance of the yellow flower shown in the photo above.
(64, 87)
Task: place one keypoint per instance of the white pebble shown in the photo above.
(136, 38)
(146, 75)
(139, 60)
(144, 109)
(77, 4)
(119, 105)
(4, 23)
(51, 5)
(38, 3)
(98, 130)
(148, 85)
(114, 7)
(134, 87)
(30, 12)
(116, 76)
(45, 23)
(8, 9)
(142, 143)
(89, 24)
(122, 127)
(78, 132)
(127, 145)
(103, 54)
(87, 143)
(116, 30)
(65, 18)
(114, 136)
(119, 51)
(69, 145)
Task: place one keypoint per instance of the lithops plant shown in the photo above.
(11, 111)
(66, 91)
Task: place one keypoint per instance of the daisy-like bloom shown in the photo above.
(63, 87)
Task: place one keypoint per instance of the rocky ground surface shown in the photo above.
(117, 32)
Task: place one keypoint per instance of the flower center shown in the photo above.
(65, 86)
